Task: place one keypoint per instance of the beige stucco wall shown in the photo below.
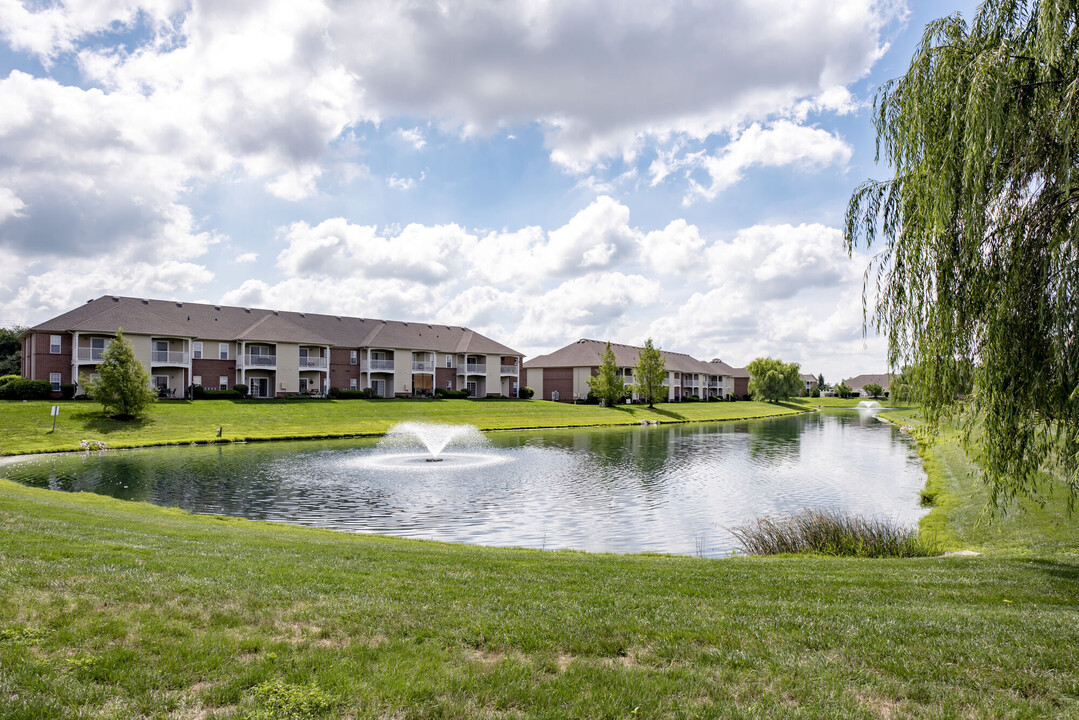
(288, 368)
(177, 378)
(580, 381)
(494, 373)
(141, 345)
(535, 381)
(402, 371)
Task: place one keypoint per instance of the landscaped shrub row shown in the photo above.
(14, 387)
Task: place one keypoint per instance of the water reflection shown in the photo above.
(672, 488)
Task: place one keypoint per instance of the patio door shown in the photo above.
(259, 387)
(379, 386)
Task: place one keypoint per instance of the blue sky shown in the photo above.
(538, 171)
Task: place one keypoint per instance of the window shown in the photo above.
(223, 382)
(472, 389)
(352, 357)
(352, 382)
(449, 361)
(54, 344)
(54, 379)
(161, 382)
(223, 351)
(196, 351)
(196, 380)
(303, 385)
(449, 384)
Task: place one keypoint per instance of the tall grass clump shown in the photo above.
(832, 532)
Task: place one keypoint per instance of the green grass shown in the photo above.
(833, 532)
(835, 402)
(960, 518)
(124, 610)
(28, 425)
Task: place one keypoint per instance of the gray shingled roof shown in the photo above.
(860, 381)
(224, 322)
(589, 353)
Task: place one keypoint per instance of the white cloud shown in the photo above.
(10, 204)
(413, 137)
(246, 257)
(783, 143)
(676, 249)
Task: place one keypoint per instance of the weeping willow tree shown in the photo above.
(978, 233)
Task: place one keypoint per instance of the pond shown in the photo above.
(669, 489)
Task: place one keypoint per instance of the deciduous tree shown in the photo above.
(608, 385)
(649, 374)
(774, 380)
(979, 228)
(122, 385)
(873, 390)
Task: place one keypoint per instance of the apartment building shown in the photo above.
(273, 352)
(563, 374)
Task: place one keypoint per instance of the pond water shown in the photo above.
(669, 489)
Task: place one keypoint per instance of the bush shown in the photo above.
(451, 394)
(353, 394)
(815, 392)
(241, 388)
(333, 393)
(525, 393)
(832, 532)
(25, 389)
(67, 391)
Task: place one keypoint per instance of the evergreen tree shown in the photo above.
(608, 385)
(649, 374)
(11, 351)
(979, 268)
(820, 382)
(123, 385)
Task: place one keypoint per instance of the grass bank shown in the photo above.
(124, 610)
(836, 402)
(28, 425)
(959, 518)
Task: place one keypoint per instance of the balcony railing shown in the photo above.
(423, 367)
(475, 369)
(509, 369)
(260, 360)
(91, 354)
(320, 363)
(377, 366)
(168, 357)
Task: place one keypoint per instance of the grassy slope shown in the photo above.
(959, 517)
(835, 402)
(27, 425)
(123, 610)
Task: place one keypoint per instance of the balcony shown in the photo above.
(168, 357)
(317, 363)
(90, 354)
(422, 367)
(260, 360)
(509, 370)
(377, 366)
(475, 369)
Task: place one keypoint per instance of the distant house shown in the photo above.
(273, 352)
(563, 374)
(741, 382)
(858, 382)
(810, 382)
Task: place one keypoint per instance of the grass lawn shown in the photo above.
(28, 425)
(124, 610)
(117, 609)
(835, 402)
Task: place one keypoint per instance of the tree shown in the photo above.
(980, 233)
(649, 374)
(774, 380)
(820, 382)
(11, 350)
(873, 390)
(122, 385)
(843, 390)
(608, 385)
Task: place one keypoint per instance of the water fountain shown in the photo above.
(414, 445)
(869, 405)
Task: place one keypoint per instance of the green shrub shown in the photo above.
(67, 391)
(353, 394)
(815, 392)
(450, 394)
(242, 389)
(525, 393)
(832, 532)
(25, 389)
(333, 393)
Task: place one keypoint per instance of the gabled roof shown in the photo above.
(589, 353)
(860, 381)
(224, 322)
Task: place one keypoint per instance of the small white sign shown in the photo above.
(55, 410)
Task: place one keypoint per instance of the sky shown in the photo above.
(540, 171)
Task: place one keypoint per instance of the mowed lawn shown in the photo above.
(123, 610)
(27, 426)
